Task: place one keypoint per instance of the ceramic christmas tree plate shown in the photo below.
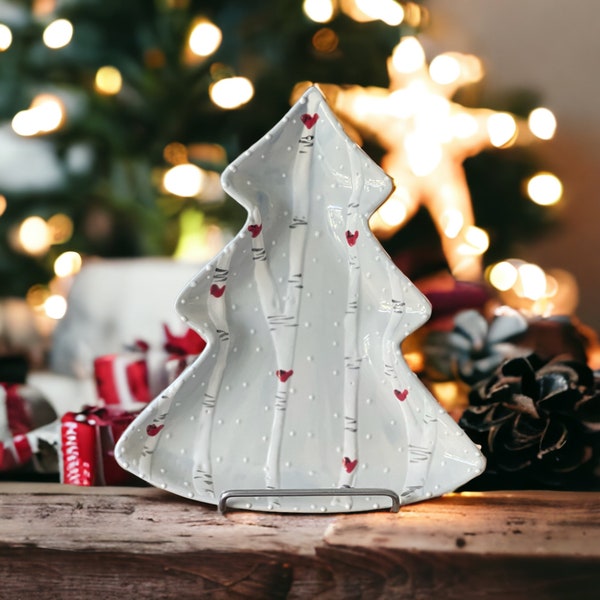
(302, 384)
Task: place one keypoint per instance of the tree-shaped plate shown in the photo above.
(302, 383)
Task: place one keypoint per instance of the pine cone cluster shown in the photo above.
(538, 424)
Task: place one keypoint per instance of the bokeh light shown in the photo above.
(503, 275)
(108, 80)
(60, 228)
(231, 92)
(68, 263)
(205, 38)
(46, 114)
(34, 235)
(37, 295)
(502, 129)
(388, 11)
(545, 189)
(319, 11)
(531, 283)
(58, 34)
(175, 153)
(5, 37)
(325, 40)
(542, 123)
(184, 180)
(55, 306)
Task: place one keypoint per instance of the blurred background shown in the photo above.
(117, 119)
(549, 47)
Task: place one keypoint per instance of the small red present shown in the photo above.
(183, 351)
(88, 440)
(24, 417)
(122, 380)
(131, 379)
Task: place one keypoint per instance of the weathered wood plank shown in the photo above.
(514, 523)
(106, 519)
(61, 542)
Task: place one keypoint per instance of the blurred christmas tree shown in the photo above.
(118, 117)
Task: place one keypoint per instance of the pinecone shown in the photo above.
(475, 348)
(538, 424)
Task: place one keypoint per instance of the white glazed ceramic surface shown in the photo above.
(302, 384)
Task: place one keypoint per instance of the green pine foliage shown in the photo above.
(110, 151)
(117, 205)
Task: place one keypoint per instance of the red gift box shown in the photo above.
(88, 440)
(23, 413)
(122, 379)
(131, 379)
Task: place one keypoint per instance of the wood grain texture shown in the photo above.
(506, 523)
(63, 542)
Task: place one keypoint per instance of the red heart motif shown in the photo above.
(401, 395)
(217, 291)
(283, 376)
(254, 229)
(153, 429)
(309, 120)
(351, 237)
(350, 465)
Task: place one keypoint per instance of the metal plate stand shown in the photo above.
(303, 493)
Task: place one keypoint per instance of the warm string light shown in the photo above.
(5, 37)
(50, 300)
(205, 38)
(35, 235)
(527, 287)
(502, 129)
(325, 40)
(42, 8)
(231, 92)
(391, 12)
(58, 34)
(542, 123)
(426, 138)
(108, 80)
(187, 180)
(43, 301)
(544, 189)
(319, 11)
(46, 114)
(388, 11)
(60, 228)
(67, 264)
(55, 306)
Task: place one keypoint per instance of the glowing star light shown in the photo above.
(426, 138)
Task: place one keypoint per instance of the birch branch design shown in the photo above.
(281, 311)
(352, 355)
(217, 312)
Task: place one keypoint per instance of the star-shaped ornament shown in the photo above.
(426, 138)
